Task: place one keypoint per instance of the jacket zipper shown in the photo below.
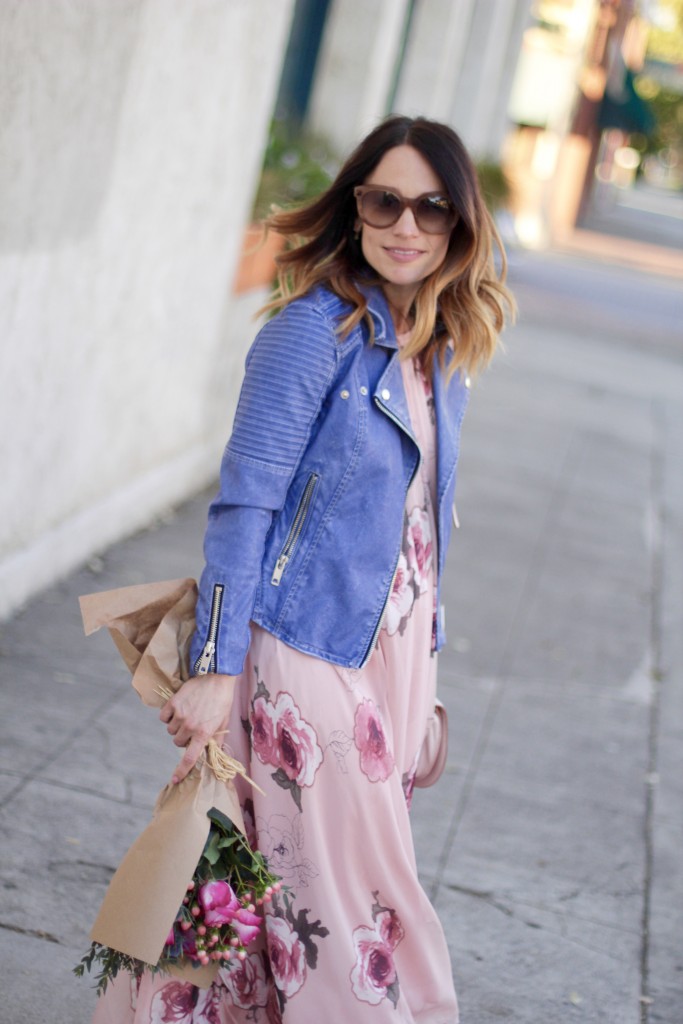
(207, 658)
(295, 530)
(375, 634)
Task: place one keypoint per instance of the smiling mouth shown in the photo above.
(396, 251)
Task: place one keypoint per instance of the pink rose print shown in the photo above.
(376, 760)
(263, 734)
(273, 1011)
(401, 598)
(390, 928)
(420, 548)
(374, 972)
(246, 982)
(207, 1010)
(373, 976)
(173, 1004)
(219, 902)
(282, 738)
(300, 753)
(287, 956)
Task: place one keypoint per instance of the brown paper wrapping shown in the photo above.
(152, 625)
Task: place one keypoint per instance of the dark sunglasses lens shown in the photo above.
(435, 215)
(380, 208)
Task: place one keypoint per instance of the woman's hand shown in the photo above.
(196, 713)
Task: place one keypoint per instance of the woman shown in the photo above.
(317, 619)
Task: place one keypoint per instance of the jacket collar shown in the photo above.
(378, 308)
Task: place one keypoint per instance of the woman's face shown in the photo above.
(402, 254)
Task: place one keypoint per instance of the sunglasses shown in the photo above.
(380, 207)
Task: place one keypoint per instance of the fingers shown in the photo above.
(188, 760)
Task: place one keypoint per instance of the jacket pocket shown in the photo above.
(296, 529)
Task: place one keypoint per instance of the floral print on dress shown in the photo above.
(281, 737)
(292, 952)
(180, 1002)
(374, 976)
(281, 841)
(247, 982)
(414, 571)
(376, 758)
(427, 385)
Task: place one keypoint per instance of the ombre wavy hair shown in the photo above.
(462, 305)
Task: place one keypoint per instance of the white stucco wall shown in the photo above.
(132, 135)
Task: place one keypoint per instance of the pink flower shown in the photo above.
(219, 902)
(287, 956)
(246, 981)
(246, 925)
(376, 760)
(374, 970)
(300, 754)
(390, 929)
(420, 547)
(173, 1004)
(401, 598)
(263, 734)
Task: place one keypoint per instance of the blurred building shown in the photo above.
(574, 105)
(132, 137)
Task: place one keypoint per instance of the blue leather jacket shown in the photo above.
(304, 535)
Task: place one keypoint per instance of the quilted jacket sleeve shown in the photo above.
(289, 371)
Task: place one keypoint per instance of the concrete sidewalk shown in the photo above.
(552, 847)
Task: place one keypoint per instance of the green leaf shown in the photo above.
(221, 820)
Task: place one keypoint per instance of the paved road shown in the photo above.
(552, 845)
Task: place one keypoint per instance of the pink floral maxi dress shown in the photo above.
(336, 751)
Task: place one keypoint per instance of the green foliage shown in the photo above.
(110, 962)
(665, 37)
(667, 107)
(296, 167)
(494, 184)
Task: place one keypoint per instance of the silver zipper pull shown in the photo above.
(205, 661)
(280, 567)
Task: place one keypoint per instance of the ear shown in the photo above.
(357, 226)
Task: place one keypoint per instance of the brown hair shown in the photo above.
(464, 300)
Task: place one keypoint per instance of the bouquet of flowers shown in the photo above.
(187, 896)
(218, 917)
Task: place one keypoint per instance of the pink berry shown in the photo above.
(190, 885)
(201, 929)
(267, 898)
(242, 954)
(251, 908)
(196, 911)
(234, 942)
(259, 902)
(185, 925)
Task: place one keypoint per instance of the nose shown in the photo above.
(406, 224)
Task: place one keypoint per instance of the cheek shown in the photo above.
(439, 252)
(367, 245)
